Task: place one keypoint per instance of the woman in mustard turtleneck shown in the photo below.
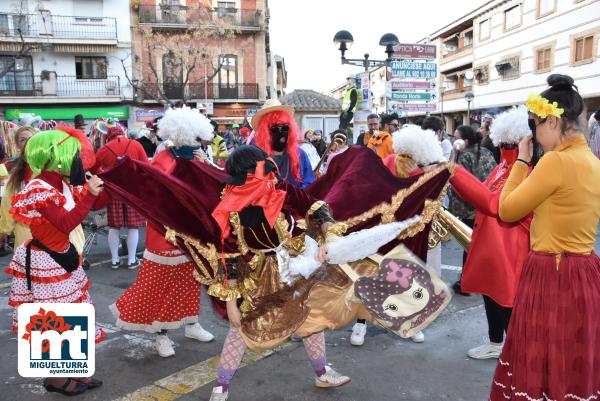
(552, 350)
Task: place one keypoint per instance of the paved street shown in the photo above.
(385, 368)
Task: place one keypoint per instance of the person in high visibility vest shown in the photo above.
(349, 103)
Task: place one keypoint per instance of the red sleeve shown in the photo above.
(64, 220)
(140, 153)
(475, 192)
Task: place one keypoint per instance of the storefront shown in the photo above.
(67, 114)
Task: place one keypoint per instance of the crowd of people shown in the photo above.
(267, 219)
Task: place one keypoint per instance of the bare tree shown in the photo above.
(199, 36)
(19, 17)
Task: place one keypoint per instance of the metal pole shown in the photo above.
(469, 112)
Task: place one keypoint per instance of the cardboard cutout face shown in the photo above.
(404, 296)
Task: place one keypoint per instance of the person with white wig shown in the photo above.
(495, 274)
(165, 294)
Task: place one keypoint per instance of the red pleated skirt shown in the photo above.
(552, 350)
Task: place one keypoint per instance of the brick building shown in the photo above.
(201, 52)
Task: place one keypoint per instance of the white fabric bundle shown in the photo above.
(510, 126)
(353, 247)
(421, 145)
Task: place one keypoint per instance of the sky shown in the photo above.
(302, 32)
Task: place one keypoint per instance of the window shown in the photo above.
(228, 72)
(485, 28)
(19, 78)
(543, 59)
(583, 49)
(512, 17)
(90, 67)
(482, 74)
(545, 7)
(509, 68)
(226, 4)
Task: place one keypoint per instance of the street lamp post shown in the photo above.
(344, 40)
(443, 87)
(469, 98)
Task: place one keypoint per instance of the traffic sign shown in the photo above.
(415, 51)
(398, 85)
(413, 69)
(408, 96)
(424, 107)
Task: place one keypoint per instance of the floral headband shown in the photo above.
(542, 108)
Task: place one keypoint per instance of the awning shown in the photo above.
(63, 48)
(16, 47)
(228, 120)
(68, 113)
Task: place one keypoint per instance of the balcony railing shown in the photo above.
(200, 91)
(182, 16)
(62, 86)
(46, 25)
(457, 51)
(458, 90)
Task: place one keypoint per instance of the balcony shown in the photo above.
(181, 17)
(460, 50)
(199, 91)
(57, 28)
(54, 86)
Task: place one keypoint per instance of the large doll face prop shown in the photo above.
(404, 297)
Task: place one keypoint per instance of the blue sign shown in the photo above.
(413, 69)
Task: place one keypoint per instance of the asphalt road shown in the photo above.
(384, 368)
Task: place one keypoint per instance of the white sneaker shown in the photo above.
(485, 351)
(358, 334)
(196, 332)
(331, 378)
(218, 394)
(418, 338)
(164, 346)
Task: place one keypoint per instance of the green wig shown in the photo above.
(50, 150)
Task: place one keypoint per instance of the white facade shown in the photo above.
(69, 36)
(516, 38)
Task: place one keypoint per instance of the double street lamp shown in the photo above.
(344, 40)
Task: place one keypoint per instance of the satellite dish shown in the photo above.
(469, 75)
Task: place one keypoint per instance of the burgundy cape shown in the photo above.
(356, 182)
(498, 250)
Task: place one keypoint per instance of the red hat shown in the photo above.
(149, 124)
(245, 131)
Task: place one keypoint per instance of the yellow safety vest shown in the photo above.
(347, 101)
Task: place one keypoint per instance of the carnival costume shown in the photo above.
(119, 214)
(495, 274)
(48, 268)
(551, 351)
(277, 132)
(165, 294)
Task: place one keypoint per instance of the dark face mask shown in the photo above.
(279, 137)
(77, 176)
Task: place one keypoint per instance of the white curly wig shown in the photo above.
(421, 145)
(510, 126)
(185, 127)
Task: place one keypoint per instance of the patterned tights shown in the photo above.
(234, 348)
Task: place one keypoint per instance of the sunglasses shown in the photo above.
(394, 125)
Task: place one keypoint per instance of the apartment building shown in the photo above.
(505, 49)
(59, 58)
(228, 73)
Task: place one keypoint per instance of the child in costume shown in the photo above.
(48, 268)
(165, 294)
